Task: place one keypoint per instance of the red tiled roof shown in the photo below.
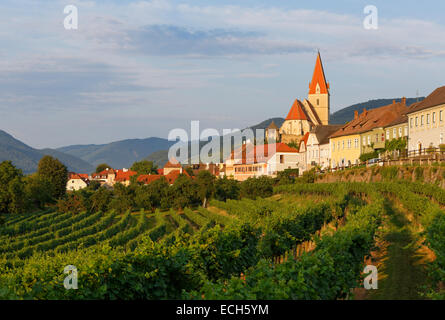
(172, 163)
(172, 176)
(436, 98)
(296, 112)
(148, 178)
(259, 153)
(318, 77)
(370, 119)
(124, 175)
(161, 171)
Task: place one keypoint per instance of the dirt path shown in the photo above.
(400, 260)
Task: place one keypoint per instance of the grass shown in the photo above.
(401, 264)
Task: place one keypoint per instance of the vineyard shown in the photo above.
(229, 250)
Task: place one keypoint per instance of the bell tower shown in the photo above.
(319, 95)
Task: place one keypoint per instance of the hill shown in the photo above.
(118, 154)
(347, 114)
(27, 158)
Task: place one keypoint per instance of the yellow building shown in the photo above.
(364, 134)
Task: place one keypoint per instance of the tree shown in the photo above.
(56, 172)
(102, 167)
(39, 190)
(123, 198)
(227, 189)
(12, 185)
(72, 202)
(257, 187)
(144, 167)
(100, 200)
(206, 186)
(184, 192)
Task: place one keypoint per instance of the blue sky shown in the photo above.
(136, 69)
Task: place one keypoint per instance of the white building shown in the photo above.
(254, 161)
(77, 181)
(426, 121)
(318, 150)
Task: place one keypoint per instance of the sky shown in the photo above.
(136, 69)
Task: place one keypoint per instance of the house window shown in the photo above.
(406, 130)
(440, 115)
(318, 102)
(349, 144)
(333, 146)
(369, 140)
(417, 121)
(434, 117)
(387, 134)
(383, 137)
(400, 131)
(356, 143)
(376, 137)
(282, 158)
(428, 118)
(411, 122)
(421, 120)
(394, 133)
(364, 140)
(343, 144)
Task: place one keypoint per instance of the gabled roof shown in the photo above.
(323, 132)
(148, 178)
(318, 78)
(297, 111)
(172, 163)
(437, 97)
(272, 126)
(124, 175)
(304, 140)
(259, 153)
(370, 119)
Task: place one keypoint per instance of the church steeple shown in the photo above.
(318, 84)
(319, 95)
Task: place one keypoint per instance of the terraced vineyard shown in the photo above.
(201, 252)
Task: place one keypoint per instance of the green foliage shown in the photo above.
(206, 185)
(227, 189)
(399, 144)
(144, 167)
(257, 187)
(56, 173)
(12, 197)
(101, 167)
(368, 156)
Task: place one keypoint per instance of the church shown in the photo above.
(313, 111)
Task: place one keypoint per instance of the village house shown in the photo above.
(427, 123)
(172, 165)
(363, 134)
(317, 147)
(258, 160)
(77, 181)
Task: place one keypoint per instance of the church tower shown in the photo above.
(319, 96)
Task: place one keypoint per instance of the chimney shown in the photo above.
(404, 101)
(355, 114)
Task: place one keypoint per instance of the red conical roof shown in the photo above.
(318, 78)
(296, 112)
